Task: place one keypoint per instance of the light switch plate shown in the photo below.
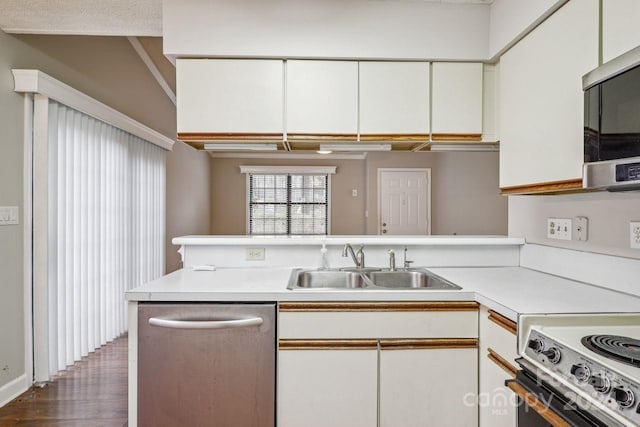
(9, 215)
(634, 234)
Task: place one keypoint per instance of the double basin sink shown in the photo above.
(370, 279)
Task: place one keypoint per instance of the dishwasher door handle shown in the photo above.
(205, 324)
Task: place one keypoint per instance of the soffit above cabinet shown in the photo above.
(347, 29)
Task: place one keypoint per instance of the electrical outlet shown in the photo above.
(254, 254)
(580, 228)
(634, 234)
(559, 228)
(354, 192)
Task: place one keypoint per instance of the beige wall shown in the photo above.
(188, 197)
(465, 196)
(11, 194)
(229, 194)
(609, 215)
(108, 69)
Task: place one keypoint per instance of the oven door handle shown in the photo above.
(536, 404)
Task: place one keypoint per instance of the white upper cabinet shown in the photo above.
(394, 99)
(322, 98)
(456, 100)
(490, 96)
(220, 96)
(619, 27)
(541, 101)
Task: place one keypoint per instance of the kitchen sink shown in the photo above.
(323, 279)
(409, 279)
(378, 279)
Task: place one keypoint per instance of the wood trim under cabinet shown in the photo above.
(379, 306)
(456, 137)
(534, 403)
(412, 137)
(334, 137)
(229, 136)
(503, 322)
(502, 362)
(428, 343)
(544, 187)
(329, 344)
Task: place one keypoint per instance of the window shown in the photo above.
(288, 200)
(288, 204)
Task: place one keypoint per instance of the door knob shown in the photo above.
(384, 224)
(384, 231)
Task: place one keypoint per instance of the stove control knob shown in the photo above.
(536, 345)
(581, 372)
(553, 354)
(600, 383)
(624, 397)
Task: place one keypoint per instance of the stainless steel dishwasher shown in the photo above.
(206, 365)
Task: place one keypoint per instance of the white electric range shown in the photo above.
(580, 370)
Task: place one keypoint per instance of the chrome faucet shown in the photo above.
(358, 257)
(392, 260)
(406, 262)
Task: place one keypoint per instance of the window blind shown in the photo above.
(106, 215)
(282, 204)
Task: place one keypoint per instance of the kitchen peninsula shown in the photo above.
(348, 334)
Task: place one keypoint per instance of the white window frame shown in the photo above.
(282, 170)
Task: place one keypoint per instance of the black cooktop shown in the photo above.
(622, 349)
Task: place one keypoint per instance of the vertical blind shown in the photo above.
(288, 204)
(106, 229)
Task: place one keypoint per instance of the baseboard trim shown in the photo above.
(13, 389)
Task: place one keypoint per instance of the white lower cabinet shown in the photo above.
(332, 387)
(428, 387)
(498, 350)
(373, 371)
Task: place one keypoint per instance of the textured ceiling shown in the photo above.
(87, 17)
(102, 17)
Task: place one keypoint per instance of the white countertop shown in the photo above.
(509, 290)
(341, 240)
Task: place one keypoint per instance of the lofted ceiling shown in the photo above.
(105, 18)
(82, 17)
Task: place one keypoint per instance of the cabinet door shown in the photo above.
(394, 99)
(497, 403)
(456, 100)
(333, 387)
(322, 98)
(428, 387)
(541, 100)
(619, 27)
(220, 96)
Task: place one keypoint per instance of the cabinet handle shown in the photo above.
(205, 324)
(501, 362)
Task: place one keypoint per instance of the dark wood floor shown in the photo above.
(92, 392)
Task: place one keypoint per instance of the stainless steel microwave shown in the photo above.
(612, 124)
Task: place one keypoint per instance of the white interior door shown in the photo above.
(404, 196)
